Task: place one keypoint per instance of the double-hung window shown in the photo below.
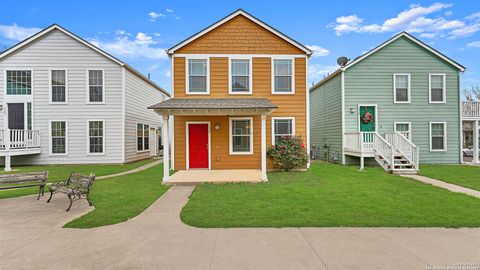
(240, 80)
(197, 76)
(282, 128)
(58, 137)
(404, 129)
(96, 86)
(19, 82)
(401, 88)
(58, 83)
(283, 79)
(241, 135)
(437, 88)
(438, 136)
(142, 137)
(96, 137)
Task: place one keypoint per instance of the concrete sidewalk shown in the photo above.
(31, 237)
(445, 185)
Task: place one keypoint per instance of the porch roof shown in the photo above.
(214, 106)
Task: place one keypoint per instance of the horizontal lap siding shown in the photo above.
(138, 96)
(60, 51)
(371, 81)
(326, 119)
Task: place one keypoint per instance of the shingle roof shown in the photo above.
(215, 103)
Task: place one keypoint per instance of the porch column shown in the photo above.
(8, 158)
(166, 148)
(475, 142)
(264, 147)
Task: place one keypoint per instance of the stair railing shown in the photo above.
(383, 148)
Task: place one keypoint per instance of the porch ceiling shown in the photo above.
(214, 106)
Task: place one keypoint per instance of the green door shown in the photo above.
(367, 118)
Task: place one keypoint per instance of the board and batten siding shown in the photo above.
(57, 50)
(370, 81)
(326, 120)
(138, 96)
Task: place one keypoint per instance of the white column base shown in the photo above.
(8, 167)
(362, 163)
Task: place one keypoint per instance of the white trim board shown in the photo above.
(187, 148)
(228, 18)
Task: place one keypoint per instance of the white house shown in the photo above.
(65, 101)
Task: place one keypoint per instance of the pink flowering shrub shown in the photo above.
(289, 153)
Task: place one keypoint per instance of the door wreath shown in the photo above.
(366, 117)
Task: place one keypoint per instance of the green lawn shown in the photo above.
(121, 198)
(61, 172)
(465, 176)
(329, 195)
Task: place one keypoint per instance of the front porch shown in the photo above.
(18, 142)
(471, 133)
(192, 177)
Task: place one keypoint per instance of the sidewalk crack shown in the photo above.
(315, 251)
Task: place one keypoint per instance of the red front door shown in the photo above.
(198, 146)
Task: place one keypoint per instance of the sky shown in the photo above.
(138, 32)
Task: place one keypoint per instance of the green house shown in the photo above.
(397, 105)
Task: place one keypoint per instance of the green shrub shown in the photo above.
(289, 153)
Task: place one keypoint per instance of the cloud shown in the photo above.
(474, 44)
(318, 51)
(17, 33)
(154, 16)
(141, 46)
(415, 19)
(169, 10)
(317, 72)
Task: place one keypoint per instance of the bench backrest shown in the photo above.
(18, 178)
(81, 181)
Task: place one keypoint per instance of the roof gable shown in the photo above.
(250, 29)
(414, 40)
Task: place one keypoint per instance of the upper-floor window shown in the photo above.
(437, 88)
(240, 81)
(197, 76)
(283, 79)
(58, 82)
(401, 89)
(19, 82)
(96, 86)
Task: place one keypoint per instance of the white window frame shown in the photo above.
(143, 141)
(50, 90)
(230, 121)
(103, 138)
(404, 123)
(444, 137)
(250, 75)
(187, 81)
(18, 98)
(88, 86)
(444, 90)
(409, 99)
(273, 126)
(50, 144)
(272, 64)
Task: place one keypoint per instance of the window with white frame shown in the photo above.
(142, 137)
(403, 128)
(437, 88)
(96, 137)
(197, 76)
(95, 86)
(58, 137)
(19, 82)
(241, 137)
(58, 82)
(438, 136)
(401, 88)
(282, 128)
(282, 76)
(240, 76)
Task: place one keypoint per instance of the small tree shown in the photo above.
(289, 153)
(472, 94)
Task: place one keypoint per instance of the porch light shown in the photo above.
(217, 126)
(352, 110)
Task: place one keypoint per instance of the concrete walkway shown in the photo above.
(445, 185)
(31, 238)
(141, 168)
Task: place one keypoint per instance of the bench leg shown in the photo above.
(43, 190)
(39, 192)
(88, 200)
(71, 200)
(51, 194)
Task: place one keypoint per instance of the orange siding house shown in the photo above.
(236, 86)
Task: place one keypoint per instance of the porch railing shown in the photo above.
(471, 109)
(362, 141)
(19, 139)
(403, 145)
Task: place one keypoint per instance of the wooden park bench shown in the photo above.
(76, 186)
(21, 180)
